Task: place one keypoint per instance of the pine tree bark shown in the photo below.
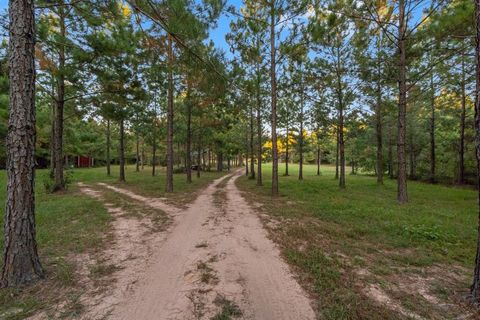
(219, 162)
(259, 130)
(189, 137)
(251, 139)
(341, 141)
(137, 153)
(154, 155)
(341, 145)
(337, 151)
(142, 158)
(433, 159)
(199, 159)
(475, 288)
(402, 196)
(379, 133)
(300, 138)
(461, 151)
(287, 154)
(108, 148)
(59, 181)
(169, 177)
(121, 156)
(319, 160)
(21, 264)
(273, 88)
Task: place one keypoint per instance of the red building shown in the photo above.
(84, 162)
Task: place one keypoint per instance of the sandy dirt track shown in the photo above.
(215, 256)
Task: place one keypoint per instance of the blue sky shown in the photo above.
(217, 34)
(223, 27)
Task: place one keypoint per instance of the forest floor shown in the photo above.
(210, 251)
(361, 255)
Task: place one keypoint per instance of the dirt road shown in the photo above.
(215, 260)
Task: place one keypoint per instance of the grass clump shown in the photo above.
(228, 309)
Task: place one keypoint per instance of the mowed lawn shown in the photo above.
(346, 241)
(69, 224)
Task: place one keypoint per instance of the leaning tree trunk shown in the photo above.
(21, 264)
(59, 181)
(402, 107)
(169, 178)
(461, 151)
(274, 101)
(475, 288)
(108, 148)
(121, 156)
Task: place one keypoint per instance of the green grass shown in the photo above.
(325, 231)
(71, 223)
(67, 223)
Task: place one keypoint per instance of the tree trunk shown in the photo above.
(122, 151)
(154, 155)
(137, 153)
(341, 145)
(287, 155)
(378, 117)
(169, 178)
(336, 157)
(300, 162)
(142, 159)
(319, 160)
(246, 154)
(432, 133)
(274, 101)
(252, 152)
(199, 163)
(21, 264)
(108, 148)
(402, 107)
(475, 288)
(219, 162)
(259, 131)
(59, 181)
(461, 152)
(189, 138)
(209, 159)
